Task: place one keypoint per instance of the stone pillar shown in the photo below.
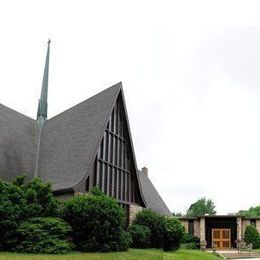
(239, 228)
(245, 223)
(202, 229)
(133, 210)
(258, 225)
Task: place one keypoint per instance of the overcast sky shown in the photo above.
(191, 77)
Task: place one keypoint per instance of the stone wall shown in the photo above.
(245, 223)
(185, 223)
(133, 210)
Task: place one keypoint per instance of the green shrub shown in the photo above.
(155, 222)
(97, 222)
(252, 236)
(123, 242)
(190, 239)
(189, 246)
(166, 232)
(141, 236)
(20, 201)
(45, 235)
(172, 234)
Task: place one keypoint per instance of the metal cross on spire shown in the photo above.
(43, 105)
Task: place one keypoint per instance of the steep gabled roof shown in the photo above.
(67, 145)
(152, 198)
(17, 144)
(70, 140)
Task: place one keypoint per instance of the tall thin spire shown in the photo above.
(43, 105)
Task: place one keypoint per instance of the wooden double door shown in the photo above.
(221, 238)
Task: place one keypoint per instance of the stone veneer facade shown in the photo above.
(185, 223)
(133, 210)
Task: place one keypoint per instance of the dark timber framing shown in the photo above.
(114, 169)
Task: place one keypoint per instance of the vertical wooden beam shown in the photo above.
(124, 185)
(115, 183)
(112, 181)
(104, 173)
(119, 184)
(129, 187)
(92, 175)
(108, 180)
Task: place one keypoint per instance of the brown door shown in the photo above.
(221, 238)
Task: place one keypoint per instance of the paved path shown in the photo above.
(234, 255)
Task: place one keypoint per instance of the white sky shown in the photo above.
(191, 77)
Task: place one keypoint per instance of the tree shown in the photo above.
(251, 212)
(177, 214)
(201, 207)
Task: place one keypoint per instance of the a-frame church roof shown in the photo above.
(70, 140)
(68, 145)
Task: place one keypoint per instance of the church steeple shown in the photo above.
(43, 105)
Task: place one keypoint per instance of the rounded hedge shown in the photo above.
(190, 241)
(189, 246)
(141, 236)
(97, 222)
(166, 232)
(252, 236)
(155, 222)
(45, 235)
(172, 234)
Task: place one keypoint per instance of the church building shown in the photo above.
(87, 145)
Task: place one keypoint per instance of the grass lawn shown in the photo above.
(129, 255)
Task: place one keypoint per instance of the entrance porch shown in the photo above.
(222, 232)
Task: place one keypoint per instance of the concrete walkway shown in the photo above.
(233, 254)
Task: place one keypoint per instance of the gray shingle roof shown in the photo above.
(18, 139)
(70, 140)
(152, 198)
